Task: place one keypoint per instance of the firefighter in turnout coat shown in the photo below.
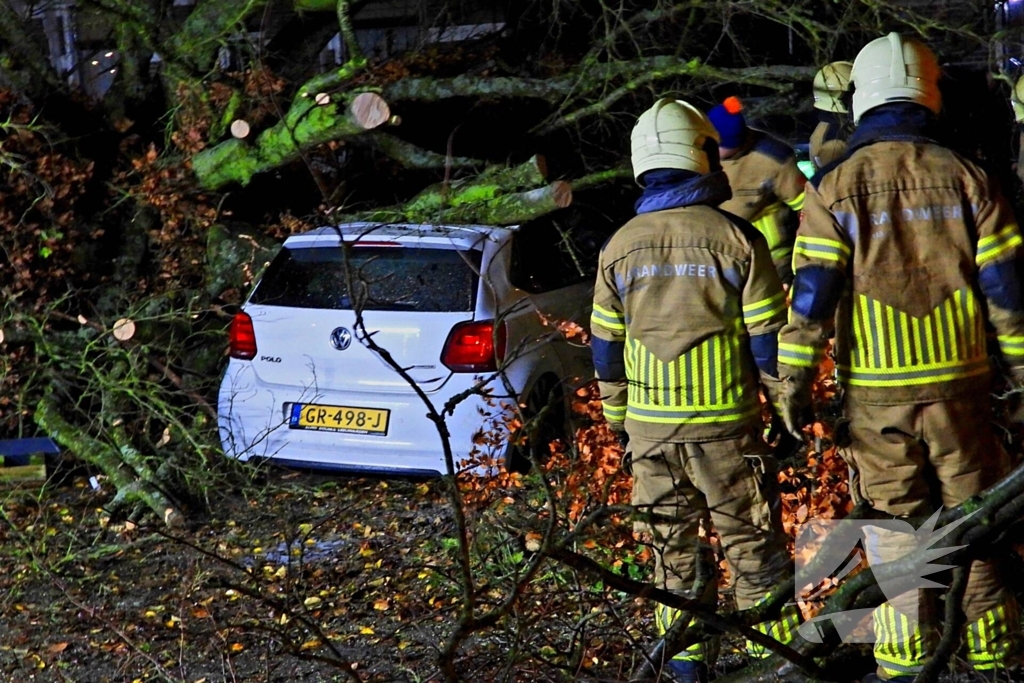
(831, 90)
(767, 185)
(914, 253)
(687, 307)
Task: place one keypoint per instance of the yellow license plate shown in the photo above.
(347, 419)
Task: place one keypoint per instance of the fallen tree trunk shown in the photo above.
(492, 183)
(414, 158)
(306, 125)
(131, 487)
(504, 209)
(313, 119)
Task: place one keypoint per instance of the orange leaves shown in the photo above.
(166, 184)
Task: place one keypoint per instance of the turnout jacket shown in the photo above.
(765, 180)
(915, 252)
(828, 142)
(687, 307)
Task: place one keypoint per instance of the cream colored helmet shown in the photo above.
(671, 134)
(830, 84)
(895, 69)
(1017, 99)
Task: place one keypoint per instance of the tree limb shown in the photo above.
(415, 158)
(206, 27)
(307, 124)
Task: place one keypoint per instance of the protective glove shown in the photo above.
(791, 397)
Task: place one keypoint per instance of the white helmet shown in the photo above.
(895, 69)
(671, 134)
(830, 84)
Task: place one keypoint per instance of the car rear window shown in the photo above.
(384, 278)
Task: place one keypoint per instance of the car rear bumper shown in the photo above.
(253, 425)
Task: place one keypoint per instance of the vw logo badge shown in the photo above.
(341, 338)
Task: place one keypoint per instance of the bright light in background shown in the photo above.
(1014, 60)
(95, 62)
(109, 54)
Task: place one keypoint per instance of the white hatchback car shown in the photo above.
(301, 389)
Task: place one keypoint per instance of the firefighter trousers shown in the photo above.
(729, 485)
(909, 461)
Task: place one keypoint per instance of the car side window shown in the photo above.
(559, 249)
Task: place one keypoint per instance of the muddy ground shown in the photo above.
(298, 577)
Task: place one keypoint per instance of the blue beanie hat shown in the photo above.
(728, 120)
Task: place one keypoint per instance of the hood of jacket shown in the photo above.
(671, 189)
(897, 122)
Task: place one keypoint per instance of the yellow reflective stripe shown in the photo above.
(797, 203)
(1011, 345)
(957, 306)
(953, 331)
(694, 416)
(894, 360)
(607, 319)
(823, 248)
(988, 639)
(648, 379)
(907, 341)
(878, 332)
(673, 382)
(974, 348)
(781, 630)
(929, 342)
(767, 226)
(897, 647)
(798, 355)
(940, 335)
(941, 365)
(783, 253)
(859, 336)
(664, 617)
(764, 309)
(922, 374)
(615, 412)
(729, 391)
(919, 348)
(706, 383)
(994, 246)
(869, 338)
(703, 385)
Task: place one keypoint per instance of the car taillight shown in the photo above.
(241, 337)
(471, 347)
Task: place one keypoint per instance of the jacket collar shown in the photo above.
(832, 118)
(669, 189)
(897, 122)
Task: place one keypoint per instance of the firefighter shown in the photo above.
(687, 306)
(831, 92)
(915, 253)
(767, 185)
(1017, 99)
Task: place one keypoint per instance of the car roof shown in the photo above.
(459, 236)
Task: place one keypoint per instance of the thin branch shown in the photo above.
(348, 34)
